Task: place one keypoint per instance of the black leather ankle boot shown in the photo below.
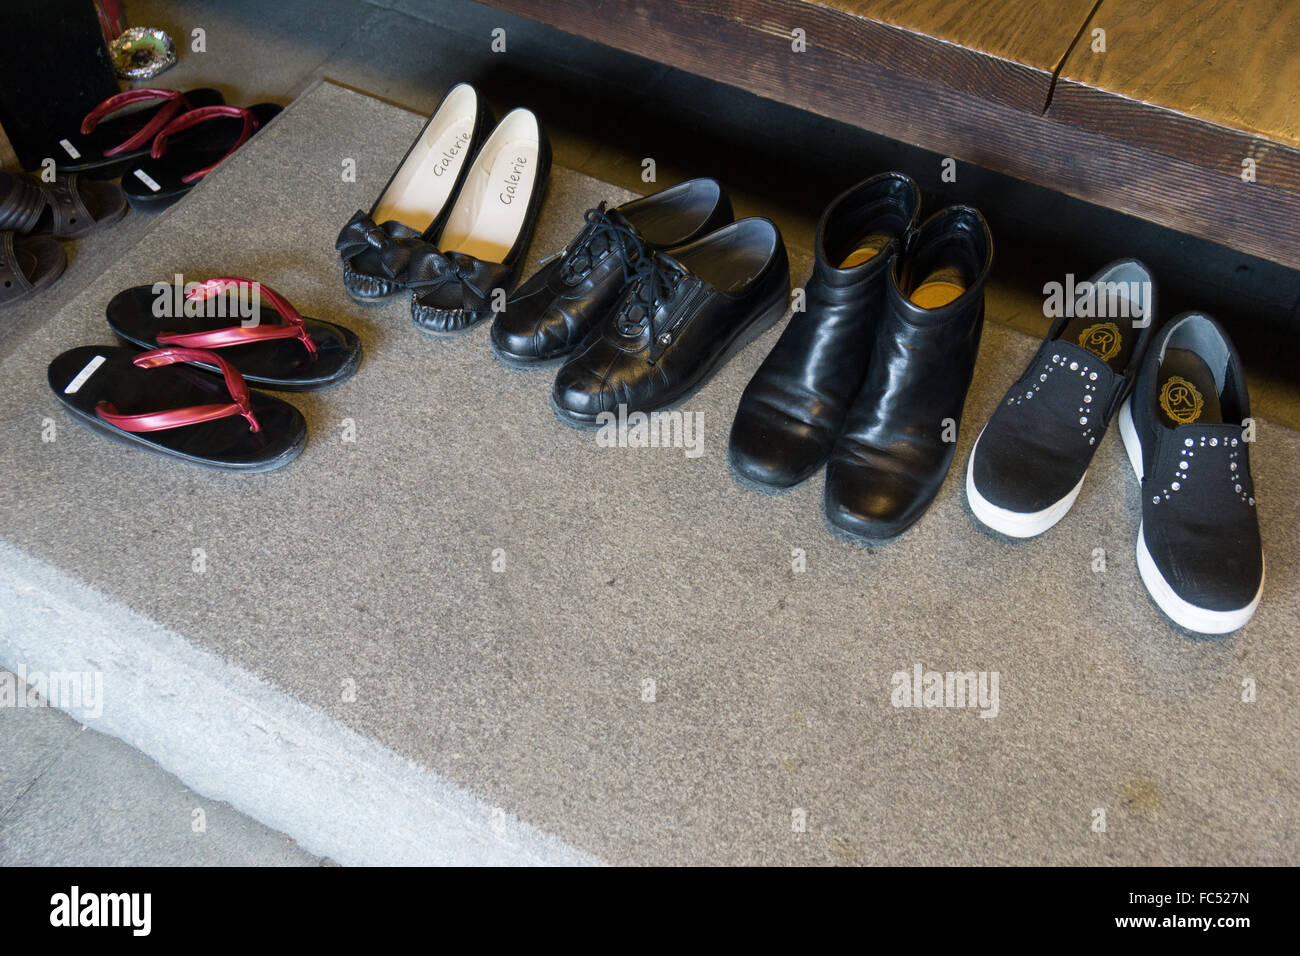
(793, 407)
(900, 434)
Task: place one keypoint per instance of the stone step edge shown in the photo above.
(231, 736)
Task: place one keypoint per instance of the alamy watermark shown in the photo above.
(1098, 300)
(80, 693)
(208, 300)
(133, 911)
(674, 429)
(959, 689)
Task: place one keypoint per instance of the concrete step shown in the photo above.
(70, 796)
(648, 678)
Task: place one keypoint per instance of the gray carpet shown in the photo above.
(372, 561)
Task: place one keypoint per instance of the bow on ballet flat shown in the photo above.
(418, 265)
(395, 243)
(430, 271)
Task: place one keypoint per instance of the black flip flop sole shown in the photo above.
(281, 364)
(152, 185)
(83, 377)
(90, 160)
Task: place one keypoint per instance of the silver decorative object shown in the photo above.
(142, 52)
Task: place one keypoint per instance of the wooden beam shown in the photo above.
(974, 102)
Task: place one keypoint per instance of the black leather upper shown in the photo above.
(554, 310)
(900, 434)
(451, 290)
(685, 313)
(374, 255)
(793, 408)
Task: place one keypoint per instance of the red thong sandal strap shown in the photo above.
(294, 327)
(174, 102)
(190, 415)
(200, 115)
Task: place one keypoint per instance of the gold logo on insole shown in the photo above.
(1102, 339)
(1181, 400)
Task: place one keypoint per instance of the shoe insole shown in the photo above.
(490, 212)
(1111, 340)
(421, 187)
(939, 288)
(867, 249)
(1187, 392)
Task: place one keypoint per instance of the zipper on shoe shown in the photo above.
(694, 302)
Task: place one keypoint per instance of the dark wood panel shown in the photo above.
(54, 67)
(1153, 163)
(1166, 134)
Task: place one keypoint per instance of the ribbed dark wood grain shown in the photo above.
(1162, 139)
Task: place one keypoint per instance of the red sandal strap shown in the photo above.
(192, 414)
(174, 103)
(294, 327)
(201, 115)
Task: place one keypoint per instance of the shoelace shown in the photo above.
(602, 234)
(655, 284)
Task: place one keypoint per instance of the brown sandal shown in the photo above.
(69, 207)
(27, 265)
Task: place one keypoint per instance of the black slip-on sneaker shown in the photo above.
(1029, 462)
(1187, 436)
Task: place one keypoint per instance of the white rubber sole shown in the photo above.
(1181, 612)
(1129, 434)
(1015, 524)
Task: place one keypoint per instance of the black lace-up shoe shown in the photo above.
(1029, 462)
(683, 316)
(793, 407)
(1185, 431)
(553, 311)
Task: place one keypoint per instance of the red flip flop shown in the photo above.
(150, 400)
(176, 163)
(105, 144)
(270, 343)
